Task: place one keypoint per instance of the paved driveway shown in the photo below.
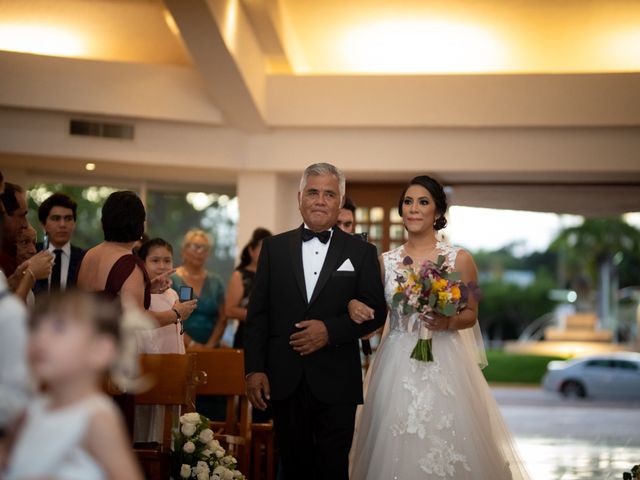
(572, 439)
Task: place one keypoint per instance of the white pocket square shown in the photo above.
(346, 266)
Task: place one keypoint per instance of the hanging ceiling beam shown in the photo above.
(224, 50)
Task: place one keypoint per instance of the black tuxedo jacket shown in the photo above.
(74, 264)
(279, 300)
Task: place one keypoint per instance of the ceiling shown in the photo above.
(110, 30)
(437, 36)
(332, 37)
(531, 104)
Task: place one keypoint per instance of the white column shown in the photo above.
(266, 199)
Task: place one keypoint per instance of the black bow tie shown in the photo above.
(309, 234)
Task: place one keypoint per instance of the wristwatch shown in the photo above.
(178, 320)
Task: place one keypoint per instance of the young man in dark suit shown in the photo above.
(57, 214)
(301, 347)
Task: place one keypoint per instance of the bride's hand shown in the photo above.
(359, 312)
(435, 321)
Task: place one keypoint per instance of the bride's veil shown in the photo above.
(472, 340)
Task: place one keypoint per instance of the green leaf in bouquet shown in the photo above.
(440, 262)
(397, 299)
(432, 300)
(449, 310)
(454, 276)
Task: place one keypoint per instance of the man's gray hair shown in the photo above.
(324, 169)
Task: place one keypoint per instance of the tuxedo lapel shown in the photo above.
(296, 259)
(330, 261)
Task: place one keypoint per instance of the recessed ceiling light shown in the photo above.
(90, 166)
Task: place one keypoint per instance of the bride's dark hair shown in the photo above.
(437, 192)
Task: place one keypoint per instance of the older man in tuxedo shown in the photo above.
(301, 347)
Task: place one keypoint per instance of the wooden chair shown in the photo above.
(223, 372)
(173, 384)
(263, 451)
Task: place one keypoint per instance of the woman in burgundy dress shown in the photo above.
(111, 267)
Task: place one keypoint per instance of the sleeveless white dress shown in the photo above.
(51, 442)
(429, 420)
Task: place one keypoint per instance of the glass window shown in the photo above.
(396, 232)
(625, 365)
(393, 215)
(375, 231)
(90, 198)
(169, 216)
(377, 214)
(601, 363)
(362, 214)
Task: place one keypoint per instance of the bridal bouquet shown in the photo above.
(431, 287)
(196, 454)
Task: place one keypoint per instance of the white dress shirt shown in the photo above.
(313, 254)
(64, 267)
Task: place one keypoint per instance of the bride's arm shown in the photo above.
(467, 317)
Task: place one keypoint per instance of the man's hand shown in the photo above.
(313, 337)
(258, 390)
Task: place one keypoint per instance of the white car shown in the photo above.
(614, 375)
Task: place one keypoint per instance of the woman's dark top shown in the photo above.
(119, 273)
(248, 277)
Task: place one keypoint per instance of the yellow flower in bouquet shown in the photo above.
(443, 298)
(439, 286)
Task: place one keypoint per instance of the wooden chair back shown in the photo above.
(222, 374)
(172, 379)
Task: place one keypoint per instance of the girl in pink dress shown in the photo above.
(169, 314)
(165, 307)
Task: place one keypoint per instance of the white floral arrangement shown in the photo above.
(196, 454)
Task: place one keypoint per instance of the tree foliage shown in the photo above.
(585, 247)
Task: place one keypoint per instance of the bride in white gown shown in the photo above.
(430, 420)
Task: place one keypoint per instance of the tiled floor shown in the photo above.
(570, 440)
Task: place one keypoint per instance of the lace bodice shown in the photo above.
(394, 267)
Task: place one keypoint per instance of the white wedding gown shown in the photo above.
(429, 420)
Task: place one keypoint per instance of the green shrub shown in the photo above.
(516, 368)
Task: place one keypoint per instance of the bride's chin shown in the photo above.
(415, 229)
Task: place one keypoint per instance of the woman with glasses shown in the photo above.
(205, 326)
